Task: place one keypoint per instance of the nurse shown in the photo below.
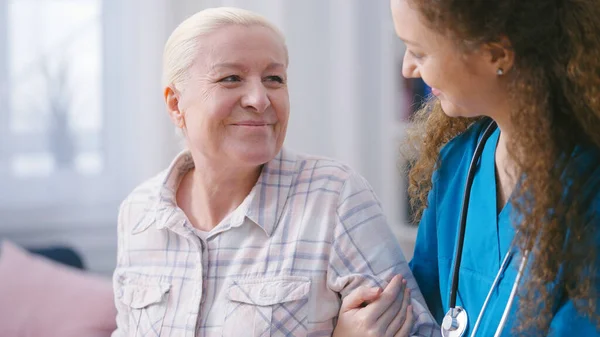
(530, 71)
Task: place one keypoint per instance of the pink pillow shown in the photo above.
(39, 297)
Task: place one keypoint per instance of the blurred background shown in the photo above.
(82, 120)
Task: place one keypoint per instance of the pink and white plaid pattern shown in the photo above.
(310, 231)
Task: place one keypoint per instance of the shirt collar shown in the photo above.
(162, 211)
(263, 206)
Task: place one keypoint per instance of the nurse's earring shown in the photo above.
(500, 72)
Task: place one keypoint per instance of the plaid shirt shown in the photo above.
(310, 231)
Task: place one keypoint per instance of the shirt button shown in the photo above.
(266, 293)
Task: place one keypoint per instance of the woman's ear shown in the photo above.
(501, 55)
(172, 97)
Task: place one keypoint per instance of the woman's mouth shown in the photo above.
(251, 123)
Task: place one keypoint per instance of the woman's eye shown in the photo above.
(232, 78)
(277, 79)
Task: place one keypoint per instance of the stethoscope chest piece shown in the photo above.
(455, 322)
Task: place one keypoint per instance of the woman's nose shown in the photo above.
(256, 97)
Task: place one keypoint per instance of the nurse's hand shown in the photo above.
(370, 312)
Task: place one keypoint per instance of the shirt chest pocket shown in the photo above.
(263, 307)
(147, 303)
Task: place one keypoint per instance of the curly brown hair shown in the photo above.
(555, 87)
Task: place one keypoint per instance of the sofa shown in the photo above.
(48, 293)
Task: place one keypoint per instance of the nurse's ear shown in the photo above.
(500, 55)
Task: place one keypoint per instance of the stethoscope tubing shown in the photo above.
(491, 127)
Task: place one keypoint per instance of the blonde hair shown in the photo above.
(183, 44)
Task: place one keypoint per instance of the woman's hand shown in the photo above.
(370, 312)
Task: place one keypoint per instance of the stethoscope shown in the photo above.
(456, 319)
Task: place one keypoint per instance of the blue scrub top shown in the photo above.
(488, 237)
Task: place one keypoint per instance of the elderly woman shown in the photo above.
(239, 237)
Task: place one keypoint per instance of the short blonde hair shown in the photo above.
(183, 44)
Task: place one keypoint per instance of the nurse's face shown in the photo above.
(466, 83)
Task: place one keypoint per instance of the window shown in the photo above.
(55, 150)
(55, 75)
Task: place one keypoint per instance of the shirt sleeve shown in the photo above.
(569, 322)
(122, 309)
(424, 264)
(366, 252)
